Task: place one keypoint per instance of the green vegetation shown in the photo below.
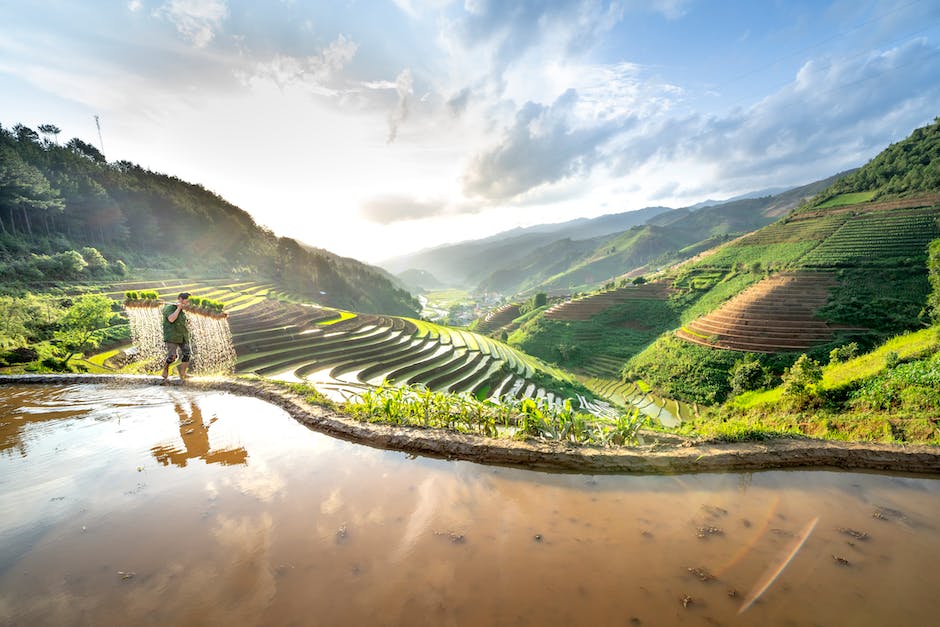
(417, 406)
(906, 168)
(851, 198)
(612, 336)
(706, 295)
(684, 371)
(884, 301)
(888, 238)
(933, 268)
(68, 214)
(141, 295)
(208, 304)
(77, 328)
(42, 333)
(888, 395)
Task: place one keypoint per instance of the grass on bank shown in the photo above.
(889, 395)
(842, 376)
(887, 427)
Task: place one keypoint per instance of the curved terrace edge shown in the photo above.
(672, 455)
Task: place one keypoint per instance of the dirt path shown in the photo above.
(664, 455)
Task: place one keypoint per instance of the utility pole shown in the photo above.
(100, 141)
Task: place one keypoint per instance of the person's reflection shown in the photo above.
(195, 435)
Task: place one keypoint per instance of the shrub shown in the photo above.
(844, 353)
(21, 355)
(800, 379)
(94, 260)
(119, 268)
(748, 374)
(892, 359)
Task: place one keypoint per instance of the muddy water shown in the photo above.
(164, 506)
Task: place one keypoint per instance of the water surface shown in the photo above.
(162, 505)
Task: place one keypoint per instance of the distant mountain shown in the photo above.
(770, 191)
(419, 280)
(584, 253)
(665, 239)
(465, 264)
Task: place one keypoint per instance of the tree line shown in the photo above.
(62, 198)
(905, 168)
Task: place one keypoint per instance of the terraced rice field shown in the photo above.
(297, 343)
(775, 315)
(778, 314)
(665, 411)
(343, 352)
(589, 306)
(496, 320)
(876, 239)
(925, 200)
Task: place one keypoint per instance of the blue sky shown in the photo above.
(371, 128)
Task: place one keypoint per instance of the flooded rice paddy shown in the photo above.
(162, 505)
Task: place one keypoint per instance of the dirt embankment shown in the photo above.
(661, 455)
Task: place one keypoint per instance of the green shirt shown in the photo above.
(176, 332)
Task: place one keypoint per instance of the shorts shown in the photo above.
(171, 350)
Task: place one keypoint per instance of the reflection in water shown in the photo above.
(195, 435)
(21, 410)
(97, 526)
(776, 571)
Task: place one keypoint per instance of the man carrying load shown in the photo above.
(176, 336)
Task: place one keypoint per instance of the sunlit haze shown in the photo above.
(374, 128)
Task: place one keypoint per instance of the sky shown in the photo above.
(373, 128)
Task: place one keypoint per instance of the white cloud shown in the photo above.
(404, 86)
(389, 208)
(197, 20)
(672, 9)
(543, 145)
(319, 74)
(135, 5)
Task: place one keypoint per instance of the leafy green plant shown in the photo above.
(800, 380)
(843, 353)
(78, 327)
(535, 418)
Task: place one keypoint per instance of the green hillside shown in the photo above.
(567, 266)
(825, 275)
(907, 168)
(66, 213)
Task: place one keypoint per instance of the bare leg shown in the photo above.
(184, 365)
(166, 371)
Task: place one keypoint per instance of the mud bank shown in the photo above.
(665, 455)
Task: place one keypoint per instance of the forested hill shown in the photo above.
(58, 203)
(909, 167)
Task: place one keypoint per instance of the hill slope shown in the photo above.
(467, 263)
(849, 265)
(56, 199)
(565, 266)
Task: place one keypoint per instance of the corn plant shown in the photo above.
(532, 418)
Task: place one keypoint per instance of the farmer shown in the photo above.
(176, 336)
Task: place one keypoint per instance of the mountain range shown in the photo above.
(585, 253)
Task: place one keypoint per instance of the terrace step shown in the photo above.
(753, 347)
(775, 315)
(587, 307)
(498, 318)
